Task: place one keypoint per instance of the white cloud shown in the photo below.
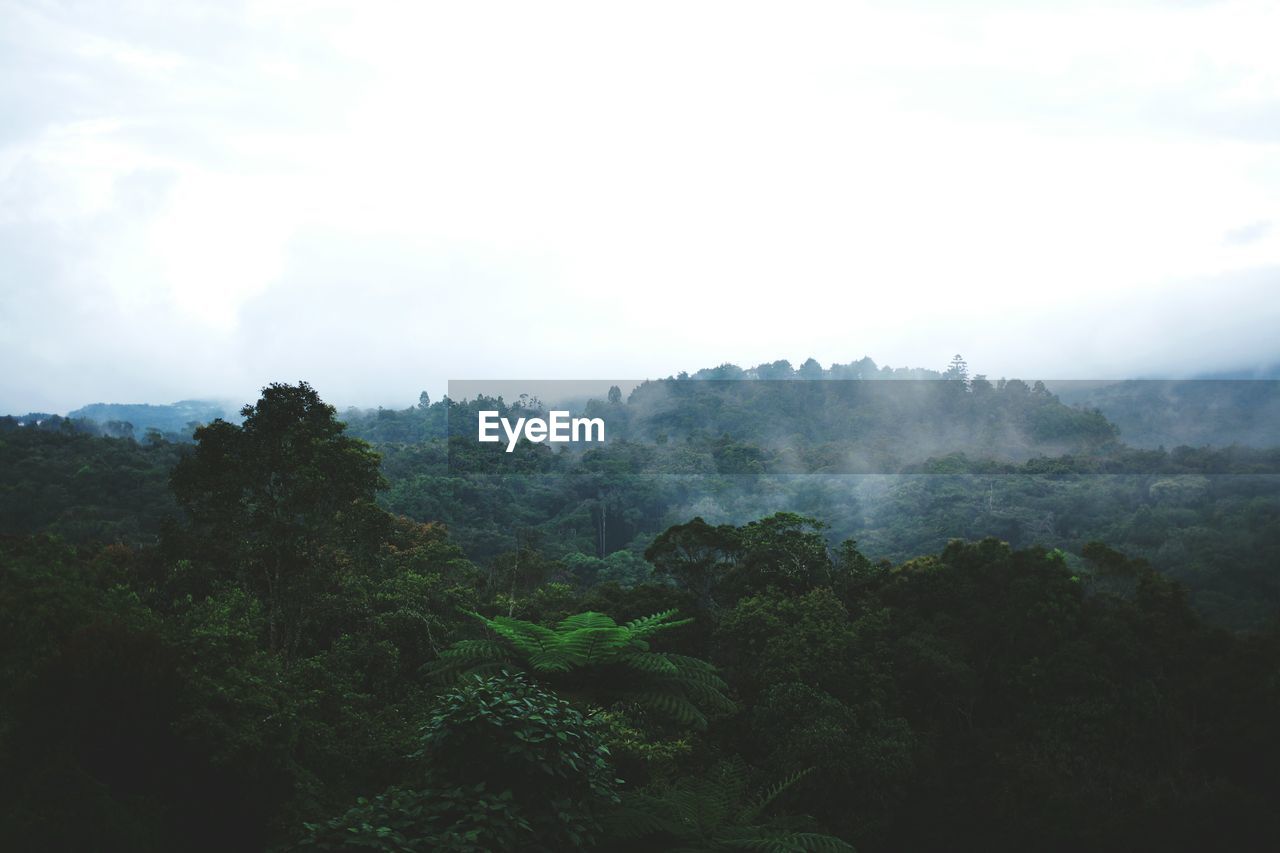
(203, 197)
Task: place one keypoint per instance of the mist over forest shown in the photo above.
(778, 608)
(287, 565)
(900, 467)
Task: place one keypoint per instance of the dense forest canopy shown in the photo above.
(839, 613)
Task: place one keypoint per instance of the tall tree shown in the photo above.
(811, 369)
(958, 369)
(282, 500)
(696, 555)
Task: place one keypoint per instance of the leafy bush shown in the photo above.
(505, 765)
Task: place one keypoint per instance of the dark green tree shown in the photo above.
(696, 555)
(282, 501)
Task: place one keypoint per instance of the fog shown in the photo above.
(197, 199)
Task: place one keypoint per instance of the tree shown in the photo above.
(696, 555)
(785, 550)
(958, 369)
(780, 369)
(722, 372)
(811, 369)
(281, 501)
(590, 655)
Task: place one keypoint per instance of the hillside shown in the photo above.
(178, 418)
(331, 646)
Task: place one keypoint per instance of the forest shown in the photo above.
(781, 609)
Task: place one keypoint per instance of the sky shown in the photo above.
(197, 199)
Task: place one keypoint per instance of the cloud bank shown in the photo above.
(199, 198)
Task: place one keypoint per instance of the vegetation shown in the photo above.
(590, 655)
(281, 636)
(503, 765)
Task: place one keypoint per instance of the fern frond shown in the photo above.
(690, 805)
(701, 694)
(465, 655)
(654, 664)
(487, 668)
(707, 679)
(791, 842)
(675, 706)
(465, 651)
(524, 636)
(595, 645)
(647, 625)
(686, 662)
(768, 795)
(589, 619)
(551, 660)
(731, 776)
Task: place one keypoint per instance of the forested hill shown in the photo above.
(280, 637)
(1194, 412)
(936, 458)
(179, 418)
(900, 466)
(776, 418)
(886, 423)
(864, 426)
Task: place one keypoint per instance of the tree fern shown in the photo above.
(588, 619)
(590, 654)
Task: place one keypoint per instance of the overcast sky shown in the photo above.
(199, 198)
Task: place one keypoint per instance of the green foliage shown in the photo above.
(697, 555)
(412, 820)
(640, 753)
(262, 668)
(590, 655)
(281, 502)
(785, 550)
(82, 487)
(774, 637)
(502, 765)
(624, 568)
(713, 812)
